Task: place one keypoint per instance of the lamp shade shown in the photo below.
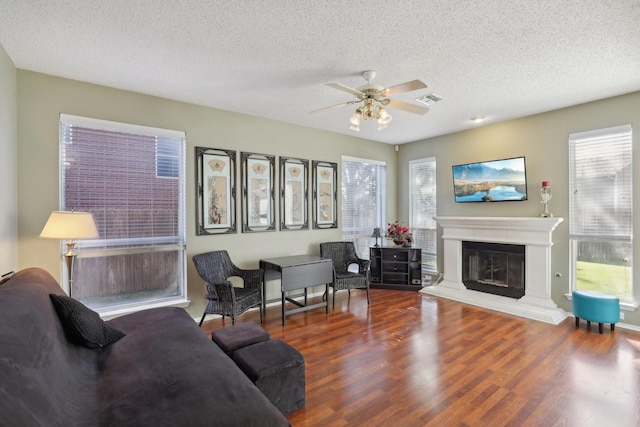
(70, 226)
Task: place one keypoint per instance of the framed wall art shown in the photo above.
(216, 191)
(325, 195)
(294, 193)
(258, 192)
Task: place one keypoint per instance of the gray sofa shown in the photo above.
(164, 371)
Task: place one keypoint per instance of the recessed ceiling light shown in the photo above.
(478, 119)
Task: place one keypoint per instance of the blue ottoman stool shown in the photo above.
(595, 306)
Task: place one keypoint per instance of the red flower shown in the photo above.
(399, 232)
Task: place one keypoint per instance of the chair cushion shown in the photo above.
(348, 275)
(82, 325)
(245, 292)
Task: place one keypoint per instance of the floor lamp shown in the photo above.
(70, 226)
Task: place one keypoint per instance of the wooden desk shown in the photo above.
(297, 272)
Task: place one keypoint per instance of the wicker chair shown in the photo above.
(215, 268)
(343, 254)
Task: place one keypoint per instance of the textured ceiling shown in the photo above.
(497, 58)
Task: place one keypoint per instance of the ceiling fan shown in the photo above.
(374, 98)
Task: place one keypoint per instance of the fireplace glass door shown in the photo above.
(494, 268)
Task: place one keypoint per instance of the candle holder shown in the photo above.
(545, 195)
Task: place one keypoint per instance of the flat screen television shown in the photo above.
(492, 181)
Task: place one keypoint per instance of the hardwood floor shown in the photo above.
(417, 360)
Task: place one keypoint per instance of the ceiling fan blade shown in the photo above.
(404, 87)
(345, 89)
(411, 108)
(344, 104)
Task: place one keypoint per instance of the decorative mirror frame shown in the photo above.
(294, 193)
(215, 191)
(325, 194)
(258, 190)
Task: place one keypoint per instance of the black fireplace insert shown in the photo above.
(494, 268)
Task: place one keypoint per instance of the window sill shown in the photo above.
(624, 305)
(107, 314)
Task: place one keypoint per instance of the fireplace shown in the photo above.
(493, 268)
(531, 233)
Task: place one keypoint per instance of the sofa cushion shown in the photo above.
(167, 372)
(45, 379)
(82, 325)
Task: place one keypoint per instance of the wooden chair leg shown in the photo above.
(367, 296)
(600, 327)
(613, 326)
(202, 320)
(577, 322)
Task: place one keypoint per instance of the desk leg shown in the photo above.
(284, 307)
(264, 302)
(326, 291)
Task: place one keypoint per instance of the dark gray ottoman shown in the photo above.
(277, 369)
(231, 338)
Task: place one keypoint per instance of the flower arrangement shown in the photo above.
(399, 233)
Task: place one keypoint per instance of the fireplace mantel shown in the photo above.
(532, 232)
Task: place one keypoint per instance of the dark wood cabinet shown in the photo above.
(395, 268)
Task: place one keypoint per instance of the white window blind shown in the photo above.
(364, 192)
(422, 209)
(119, 172)
(168, 156)
(600, 183)
(601, 211)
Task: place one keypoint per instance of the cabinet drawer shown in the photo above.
(394, 267)
(393, 255)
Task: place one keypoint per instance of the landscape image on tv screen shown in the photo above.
(493, 181)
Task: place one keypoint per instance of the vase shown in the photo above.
(398, 242)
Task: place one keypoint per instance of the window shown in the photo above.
(364, 193)
(119, 173)
(167, 158)
(422, 209)
(601, 211)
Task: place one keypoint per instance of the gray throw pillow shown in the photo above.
(82, 325)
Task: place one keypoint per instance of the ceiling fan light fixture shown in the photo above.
(384, 118)
(374, 99)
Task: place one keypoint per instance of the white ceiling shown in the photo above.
(498, 58)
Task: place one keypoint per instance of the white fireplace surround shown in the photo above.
(533, 233)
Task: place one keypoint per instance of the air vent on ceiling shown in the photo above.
(429, 99)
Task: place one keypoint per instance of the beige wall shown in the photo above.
(41, 98)
(543, 140)
(8, 171)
